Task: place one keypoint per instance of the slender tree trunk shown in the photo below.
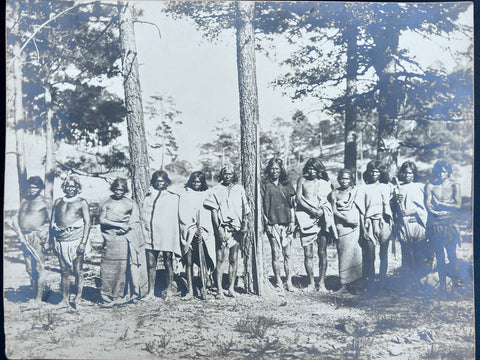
(19, 119)
(133, 101)
(388, 96)
(247, 85)
(50, 161)
(387, 144)
(350, 155)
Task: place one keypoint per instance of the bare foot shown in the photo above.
(322, 290)
(310, 288)
(167, 294)
(220, 295)
(64, 304)
(231, 293)
(188, 296)
(290, 287)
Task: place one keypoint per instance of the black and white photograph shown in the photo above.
(238, 180)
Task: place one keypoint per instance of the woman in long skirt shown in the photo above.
(123, 268)
(347, 218)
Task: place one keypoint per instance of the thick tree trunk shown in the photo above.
(133, 101)
(19, 119)
(247, 85)
(350, 155)
(50, 161)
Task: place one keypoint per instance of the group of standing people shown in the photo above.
(199, 225)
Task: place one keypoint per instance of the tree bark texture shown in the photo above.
(350, 155)
(50, 161)
(248, 95)
(19, 121)
(133, 101)
(386, 45)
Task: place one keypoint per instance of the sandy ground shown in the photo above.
(386, 325)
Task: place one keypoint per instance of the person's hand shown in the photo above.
(81, 248)
(291, 228)
(400, 198)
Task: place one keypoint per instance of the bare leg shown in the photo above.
(65, 284)
(368, 254)
(286, 263)
(232, 269)
(308, 253)
(276, 260)
(189, 272)
(79, 280)
(219, 270)
(322, 260)
(152, 271)
(42, 282)
(168, 261)
(383, 260)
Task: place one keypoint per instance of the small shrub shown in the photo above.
(256, 327)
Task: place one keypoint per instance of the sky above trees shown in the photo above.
(202, 79)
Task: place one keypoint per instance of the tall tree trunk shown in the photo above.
(386, 45)
(50, 161)
(19, 119)
(350, 154)
(387, 144)
(133, 101)
(247, 85)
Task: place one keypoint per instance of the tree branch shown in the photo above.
(151, 23)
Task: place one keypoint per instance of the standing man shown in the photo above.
(443, 199)
(32, 227)
(71, 225)
(228, 205)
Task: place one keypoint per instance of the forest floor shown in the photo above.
(388, 324)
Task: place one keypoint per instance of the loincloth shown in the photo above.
(38, 236)
(66, 244)
(279, 234)
(232, 236)
(443, 234)
(378, 229)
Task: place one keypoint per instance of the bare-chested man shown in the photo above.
(32, 227)
(71, 226)
(443, 199)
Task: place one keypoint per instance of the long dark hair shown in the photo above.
(375, 164)
(197, 175)
(283, 178)
(408, 165)
(318, 166)
(160, 174)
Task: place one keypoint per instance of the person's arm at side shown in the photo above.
(86, 226)
(16, 223)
